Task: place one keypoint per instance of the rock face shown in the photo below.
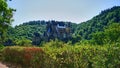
(59, 30)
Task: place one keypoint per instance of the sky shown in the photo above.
(75, 11)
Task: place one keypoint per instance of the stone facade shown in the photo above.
(59, 30)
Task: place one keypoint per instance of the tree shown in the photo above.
(22, 42)
(6, 15)
(36, 39)
(98, 23)
(111, 34)
(76, 39)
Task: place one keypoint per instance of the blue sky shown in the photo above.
(76, 11)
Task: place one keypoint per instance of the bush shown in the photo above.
(1, 47)
(65, 56)
(25, 56)
(23, 42)
(84, 56)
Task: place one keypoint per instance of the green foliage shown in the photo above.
(113, 32)
(110, 35)
(27, 29)
(58, 54)
(84, 56)
(6, 15)
(76, 38)
(82, 31)
(54, 44)
(23, 42)
(1, 47)
(98, 23)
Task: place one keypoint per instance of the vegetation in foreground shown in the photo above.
(56, 54)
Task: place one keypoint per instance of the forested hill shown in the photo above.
(84, 29)
(27, 29)
(99, 22)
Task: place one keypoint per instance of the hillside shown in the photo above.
(84, 30)
(27, 29)
(99, 22)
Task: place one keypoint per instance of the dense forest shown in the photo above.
(58, 44)
(28, 29)
(99, 22)
(84, 31)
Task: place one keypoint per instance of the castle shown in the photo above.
(59, 30)
(54, 30)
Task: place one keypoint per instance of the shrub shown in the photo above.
(84, 56)
(23, 42)
(25, 56)
(65, 56)
(1, 47)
